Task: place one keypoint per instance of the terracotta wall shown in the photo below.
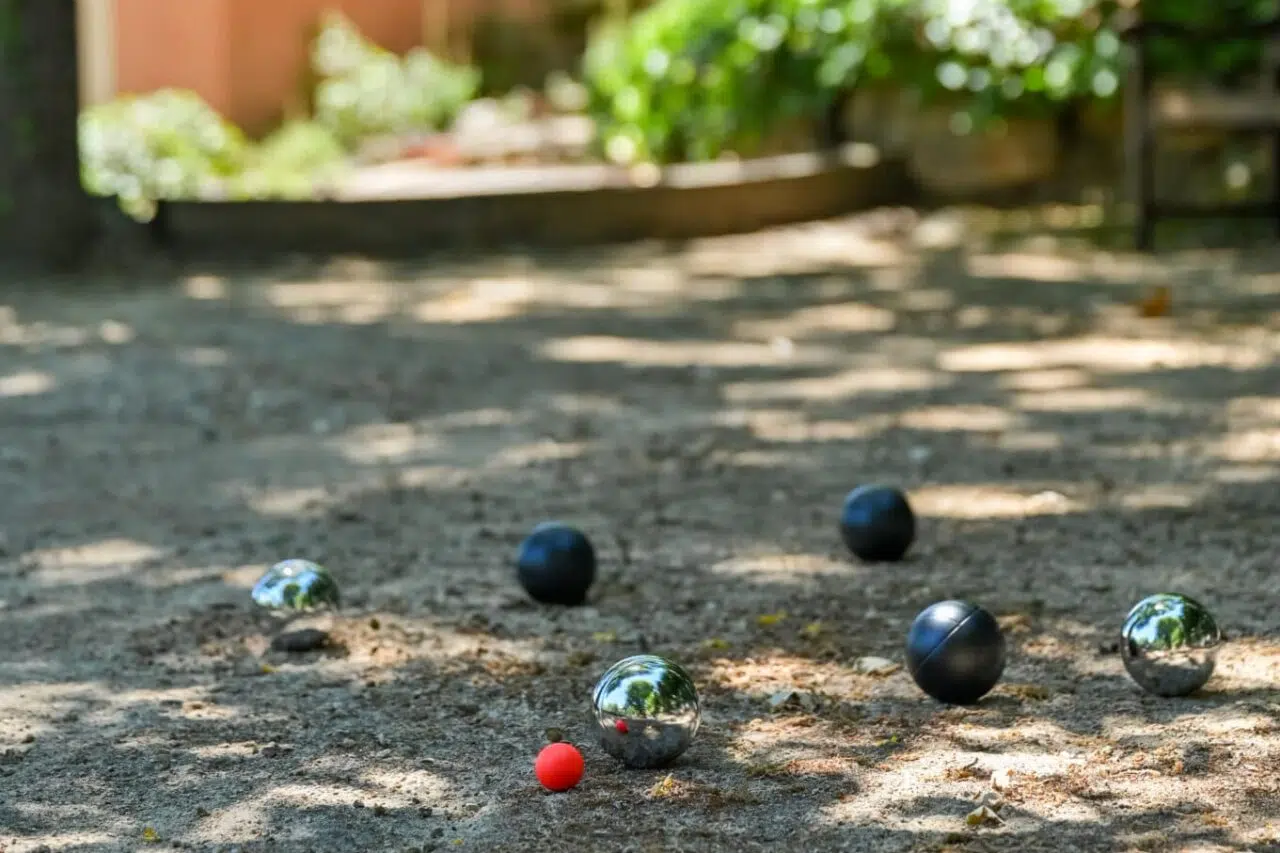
(269, 43)
(248, 58)
(183, 45)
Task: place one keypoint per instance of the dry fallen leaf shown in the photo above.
(972, 770)
(983, 815)
(1034, 692)
(1157, 302)
(1002, 779)
(771, 618)
(813, 629)
(665, 787)
(991, 800)
(715, 643)
(876, 666)
(1015, 623)
(605, 636)
(150, 835)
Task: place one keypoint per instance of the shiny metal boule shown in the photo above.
(647, 709)
(296, 586)
(1169, 644)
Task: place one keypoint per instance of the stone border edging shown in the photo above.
(549, 206)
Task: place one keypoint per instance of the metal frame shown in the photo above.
(1141, 130)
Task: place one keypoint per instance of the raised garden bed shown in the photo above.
(416, 208)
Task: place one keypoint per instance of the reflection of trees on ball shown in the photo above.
(296, 586)
(647, 709)
(668, 694)
(640, 694)
(1169, 644)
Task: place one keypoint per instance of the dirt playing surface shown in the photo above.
(700, 413)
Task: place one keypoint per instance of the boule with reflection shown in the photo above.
(1169, 644)
(296, 586)
(647, 709)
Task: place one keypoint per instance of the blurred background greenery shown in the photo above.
(669, 81)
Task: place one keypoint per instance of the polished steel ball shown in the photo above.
(296, 586)
(1169, 644)
(647, 709)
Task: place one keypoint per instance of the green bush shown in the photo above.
(1212, 60)
(688, 79)
(365, 91)
(168, 144)
(1021, 57)
(289, 163)
(172, 145)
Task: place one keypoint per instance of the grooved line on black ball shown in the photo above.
(943, 641)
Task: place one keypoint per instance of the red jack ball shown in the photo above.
(621, 726)
(559, 767)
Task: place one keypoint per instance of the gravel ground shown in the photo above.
(700, 411)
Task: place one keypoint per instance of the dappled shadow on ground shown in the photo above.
(700, 413)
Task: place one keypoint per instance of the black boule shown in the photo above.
(955, 652)
(556, 564)
(877, 524)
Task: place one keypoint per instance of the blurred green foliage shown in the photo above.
(167, 144)
(1213, 59)
(364, 90)
(688, 79)
(679, 80)
(170, 144)
(289, 163)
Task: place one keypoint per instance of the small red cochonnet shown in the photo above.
(559, 767)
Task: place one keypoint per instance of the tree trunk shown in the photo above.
(46, 218)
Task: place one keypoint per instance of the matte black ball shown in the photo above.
(955, 652)
(556, 564)
(877, 524)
